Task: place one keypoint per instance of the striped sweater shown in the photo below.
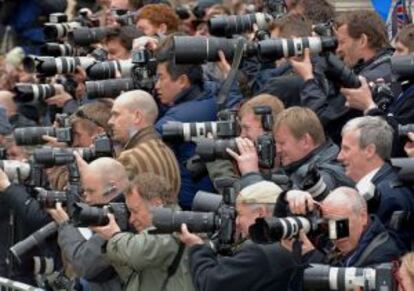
(147, 153)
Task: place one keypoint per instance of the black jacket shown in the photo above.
(323, 96)
(392, 196)
(254, 267)
(323, 158)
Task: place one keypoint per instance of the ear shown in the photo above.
(307, 141)
(363, 40)
(370, 151)
(184, 82)
(156, 202)
(162, 28)
(138, 117)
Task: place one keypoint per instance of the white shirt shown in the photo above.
(365, 187)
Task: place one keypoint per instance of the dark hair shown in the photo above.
(97, 113)
(150, 186)
(194, 73)
(406, 37)
(126, 34)
(365, 22)
(318, 11)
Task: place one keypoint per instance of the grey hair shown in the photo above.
(372, 130)
(348, 196)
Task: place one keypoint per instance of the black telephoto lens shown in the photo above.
(32, 135)
(110, 88)
(209, 149)
(87, 36)
(85, 215)
(167, 220)
(108, 70)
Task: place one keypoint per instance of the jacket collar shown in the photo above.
(383, 172)
(142, 135)
(313, 155)
(191, 93)
(382, 56)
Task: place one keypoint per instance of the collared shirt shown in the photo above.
(365, 186)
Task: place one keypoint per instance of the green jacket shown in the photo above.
(142, 260)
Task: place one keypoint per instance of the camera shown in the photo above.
(226, 26)
(49, 156)
(219, 219)
(58, 50)
(324, 277)
(144, 69)
(274, 229)
(85, 215)
(128, 18)
(48, 67)
(405, 169)
(108, 69)
(404, 130)
(110, 88)
(16, 171)
(49, 198)
(227, 126)
(86, 36)
(196, 50)
(33, 135)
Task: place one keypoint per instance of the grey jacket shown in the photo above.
(142, 261)
(87, 259)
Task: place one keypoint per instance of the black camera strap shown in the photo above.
(225, 89)
(174, 265)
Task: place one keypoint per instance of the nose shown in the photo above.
(340, 156)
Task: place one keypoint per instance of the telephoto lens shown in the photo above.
(404, 130)
(166, 220)
(85, 36)
(108, 70)
(273, 229)
(16, 171)
(50, 157)
(110, 88)
(58, 50)
(62, 65)
(210, 149)
(49, 198)
(226, 26)
(56, 31)
(34, 135)
(33, 93)
(319, 277)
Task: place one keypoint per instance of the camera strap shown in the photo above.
(225, 89)
(174, 265)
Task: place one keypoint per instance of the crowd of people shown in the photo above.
(119, 119)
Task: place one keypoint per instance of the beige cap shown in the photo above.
(260, 193)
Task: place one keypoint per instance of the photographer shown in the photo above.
(119, 41)
(144, 261)
(363, 46)
(300, 143)
(184, 98)
(253, 266)
(368, 242)
(366, 148)
(16, 118)
(132, 127)
(103, 182)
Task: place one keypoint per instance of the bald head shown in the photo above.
(139, 100)
(7, 102)
(109, 170)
